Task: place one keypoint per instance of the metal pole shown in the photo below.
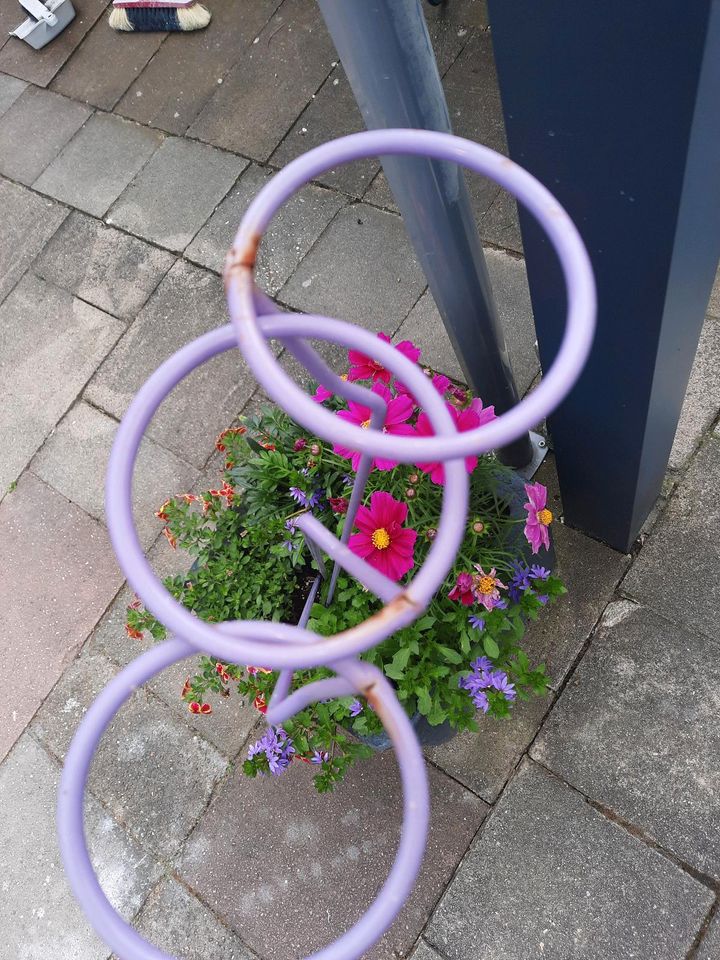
(386, 52)
(615, 107)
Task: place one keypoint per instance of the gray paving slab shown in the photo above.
(424, 951)
(184, 73)
(98, 163)
(153, 773)
(86, 75)
(27, 224)
(509, 283)
(710, 944)
(74, 461)
(57, 576)
(318, 861)
(262, 95)
(636, 730)
(110, 269)
(714, 304)
(500, 225)
(51, 344)
(39, 915)
(702, 399)
(333, 112)
(187, 303)
(362, 269)
(231, 721)
(678, 570)
(173, 196)
(292, 231)
(175, 921)
(468, 13)
(550, 877)
(33, 131)
(40, 66)
(10, 90)
(484, 761)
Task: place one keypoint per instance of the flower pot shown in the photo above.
(428, 735)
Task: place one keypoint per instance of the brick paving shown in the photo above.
(588, 827)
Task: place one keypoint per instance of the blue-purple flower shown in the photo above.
(539, 573)
(520, 581)
(477, 623)
(277, 747)
(482, 679)
(307, 500)
(319, 756)
(355, 708)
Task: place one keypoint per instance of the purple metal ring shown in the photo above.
(108, 923)
(575, 263)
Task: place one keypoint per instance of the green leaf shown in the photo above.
(424, 701)
(396, 668)
(491, 648)
(452, 656)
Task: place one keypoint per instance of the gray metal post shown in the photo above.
(615, 107)
(385, 49)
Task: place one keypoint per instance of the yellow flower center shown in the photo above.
(381, 539)
(486, 584)
(343, 376)
(365, 424)
(545, 517)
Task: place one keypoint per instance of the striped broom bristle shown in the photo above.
(145, 19)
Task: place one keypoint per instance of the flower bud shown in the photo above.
(315, 449)
(478, 526)
(410, 493)
(430, 533)
(413, 478)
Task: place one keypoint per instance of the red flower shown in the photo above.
(464, 420)
(463, 590)
(203, 708)
(160, 514)
(363, 368)
(338, 504)
(232, 431)
(399, 409)
(186, 688)
(300, 444)
(259, 703)
(382, 540)
(133, 633)
(170, 538)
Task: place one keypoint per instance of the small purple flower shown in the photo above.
(291, 525)
(543, 598)
(289, 545)
(477, 623)
(520, 581)
(348, 480)
(500, 605)
(499, 681)
(482, 665)
(277, 747)
(308, 500)
(355, 708)
(539, 573)
(319, 756)
(479, 698)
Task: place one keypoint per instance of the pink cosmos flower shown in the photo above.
(539, 517)
(399, 410)
(439, 381)
(322, 394)
(485, 587)
(382, 540)
(463, 590)
(363, 367)
(467, 419)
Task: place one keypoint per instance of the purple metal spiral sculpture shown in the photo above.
(284, 647)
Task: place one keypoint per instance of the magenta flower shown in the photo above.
(463, 590)
(399, 410)
(322, 394)
(468, 419)
(539, 517)
(485, 588)
(383, 540)
(363, 367)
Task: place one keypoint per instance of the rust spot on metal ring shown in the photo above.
(243, 259)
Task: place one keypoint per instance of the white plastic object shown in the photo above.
(47, 19)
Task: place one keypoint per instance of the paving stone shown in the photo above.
(40, 66)
(424, 952)
(177, 191)
(292, 232)
(678, 570)
(483, 761)
(57, 576)
(333, 112)
(151, 771)
(317, 861)
(27, 224)
(183, 75)
(40, 917)
(469, 13)
(10, 90)
(175, 921)
(263, 94)
(550, 877)
(710, 944)
(51, 344)
(86, 76)
(702, 399)
(98, 163)
(473, 101)
(501, 225)
(110, 269)
(362, 269)
(636, 729)
(714, 304)
(509, 283)
(35, 128)
(188, 303)
(74, 461)
(231, 721)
